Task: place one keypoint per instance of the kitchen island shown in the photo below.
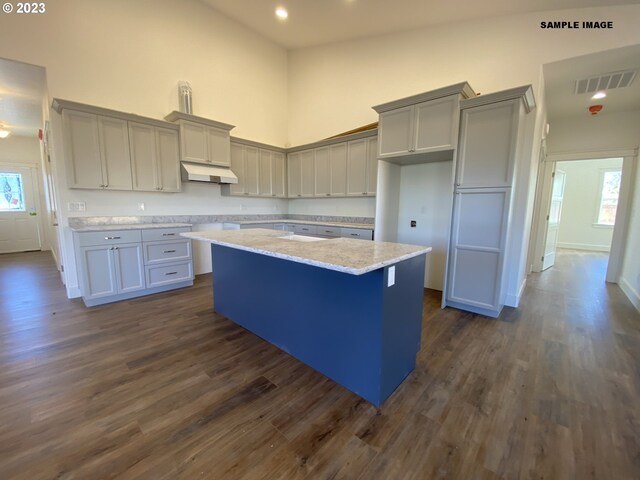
(351, 309)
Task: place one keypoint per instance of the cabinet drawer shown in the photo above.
(156, 234)
(359, 233)
(303, 229)
(158, 275)
(163, 252)
(329, 231)
(108, 237)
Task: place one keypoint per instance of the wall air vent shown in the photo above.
(607, 81)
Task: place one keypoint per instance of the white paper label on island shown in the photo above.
(391, 277)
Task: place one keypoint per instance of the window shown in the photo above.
(11, 192)
(610, 189)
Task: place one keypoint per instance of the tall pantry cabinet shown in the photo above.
(491, 130)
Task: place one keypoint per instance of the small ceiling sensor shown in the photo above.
(282, 13)
(598, 95)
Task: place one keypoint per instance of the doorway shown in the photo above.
(19, 224)
(582, 210)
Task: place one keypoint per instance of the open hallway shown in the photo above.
(162, 387)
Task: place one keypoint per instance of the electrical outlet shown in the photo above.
(141, 206)
(413, 224)
(76, 207)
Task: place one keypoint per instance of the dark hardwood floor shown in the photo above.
(160, 387)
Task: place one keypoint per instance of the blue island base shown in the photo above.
(354, 329)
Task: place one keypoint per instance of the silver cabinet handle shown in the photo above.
(169, 251)
(355, 234)
(168, 234)
(171, 273)
(112, 238)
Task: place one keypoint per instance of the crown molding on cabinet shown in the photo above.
(525, 93)
(251, 143)
(462, 88)
(59, 105)
(332, 141)
(175, 116)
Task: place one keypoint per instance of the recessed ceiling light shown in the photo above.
(281, 12)
(599, 95)
(4, 133)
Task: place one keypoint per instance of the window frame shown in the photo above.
(601, 178)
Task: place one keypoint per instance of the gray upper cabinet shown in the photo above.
(357, 168)
(114, 153)
(322, 172)
(425, 127)
(372, 165)
(488, 142)
(307, 174)
(111, 150)
(338, 169)
(261, 171)
(237, 166)
(293, 161)
(421, 124)
(203, 140)
(97, 150)
(154, 158)
(278, 175)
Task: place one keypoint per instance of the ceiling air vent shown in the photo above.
(607, 81)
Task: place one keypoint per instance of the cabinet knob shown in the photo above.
(328, 194)
(105, 185)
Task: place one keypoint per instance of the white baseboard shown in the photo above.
(514, 300)
(584, 246)
(629, 291)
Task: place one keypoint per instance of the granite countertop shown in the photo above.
(131, 226)
(345, 255)
(368, 226)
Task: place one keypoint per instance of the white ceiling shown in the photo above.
(22, 89)
(559, 81)
(315, 22)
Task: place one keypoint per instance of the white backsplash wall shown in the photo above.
(426, 197)
(340, 207)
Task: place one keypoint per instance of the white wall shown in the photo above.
(332, 87)
(592, 133)
(581, 203)
(426, 197)
(630, 278)
(129, 56)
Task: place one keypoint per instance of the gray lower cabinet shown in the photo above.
(120, 264)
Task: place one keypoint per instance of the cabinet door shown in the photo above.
(278, 174)
(82, 149)
(114, 153)
(488, 139)
(219, 145)
(129, 267)
(293, 168)
(193, 143)
(252, 166)
(237, 166)
(357, 168)
(322, 180)
(168, 159)
(307, 182)
(338, 169)
(478, 240)
(435, 124)
(372, 165)
(98, 271)
(142, 145)
(395, 132)
(264, 174)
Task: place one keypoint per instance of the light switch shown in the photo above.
(391, 277)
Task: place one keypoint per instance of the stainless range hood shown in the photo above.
(195, 172)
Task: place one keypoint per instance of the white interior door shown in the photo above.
(19, 226)
(553, 219)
